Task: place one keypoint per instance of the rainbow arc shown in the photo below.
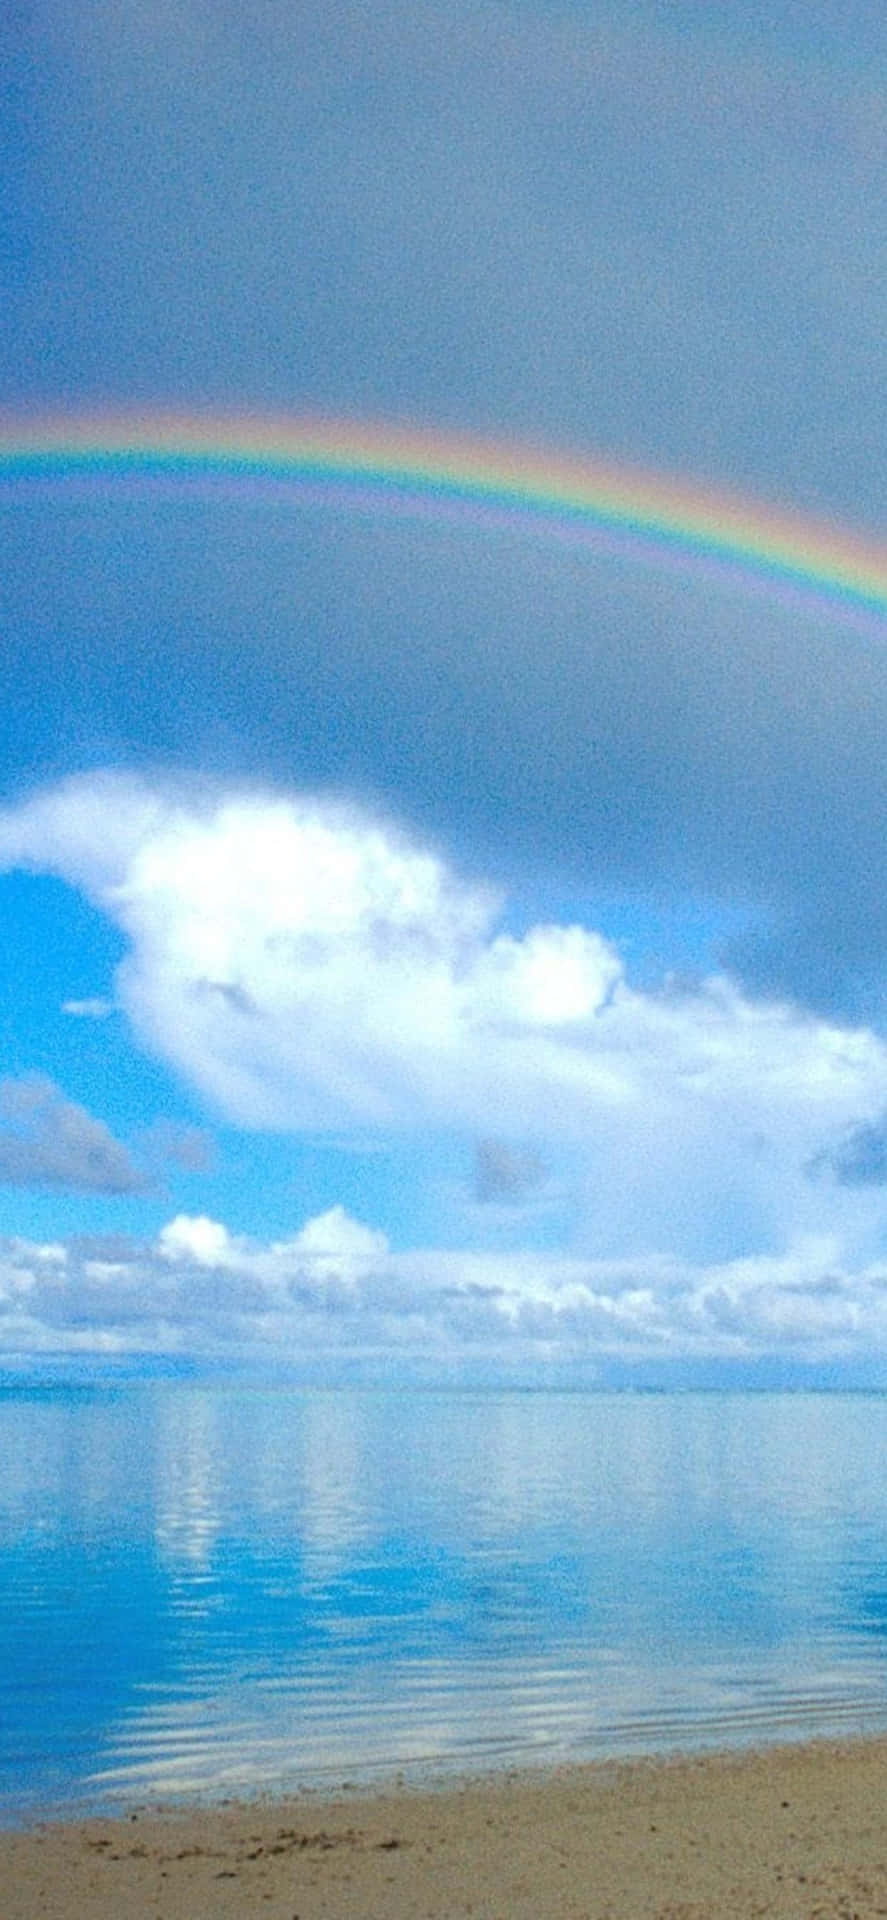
(384, 467)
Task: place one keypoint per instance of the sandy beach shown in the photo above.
(790, 1831)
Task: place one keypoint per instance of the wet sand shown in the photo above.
(790, 1831)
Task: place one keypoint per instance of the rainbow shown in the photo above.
(383, 467)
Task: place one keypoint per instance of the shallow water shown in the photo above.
(210, 1589)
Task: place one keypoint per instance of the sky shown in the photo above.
(431, 951)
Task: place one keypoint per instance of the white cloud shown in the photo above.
(308, 967)
(93, 1008)
(196, 1238)
(332, 1245)
(335, 1298)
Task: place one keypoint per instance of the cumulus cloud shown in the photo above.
(336, 1296)
(307, 966)
(47, 1140)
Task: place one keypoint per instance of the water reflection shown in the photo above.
(215, 1589)
(187, 1473)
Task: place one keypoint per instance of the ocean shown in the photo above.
(209, 1590)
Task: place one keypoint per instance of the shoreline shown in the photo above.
(794, 1831)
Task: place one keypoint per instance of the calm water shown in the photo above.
(207, 1590)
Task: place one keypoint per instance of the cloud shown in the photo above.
(335, 1300)
(506, 1174)
(308, 966)
(195, 1238)
(167, 1143)
(47, 1140)
(90, 1009)
(860, 1158)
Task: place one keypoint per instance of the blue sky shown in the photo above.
(426, 952)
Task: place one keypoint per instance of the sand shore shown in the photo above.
(791, 1831)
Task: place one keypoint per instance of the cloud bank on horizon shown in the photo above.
(430, 950)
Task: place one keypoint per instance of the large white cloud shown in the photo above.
(306, 966)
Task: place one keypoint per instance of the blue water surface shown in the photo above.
(213, 1589)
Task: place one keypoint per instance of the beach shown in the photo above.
(796, 1831)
